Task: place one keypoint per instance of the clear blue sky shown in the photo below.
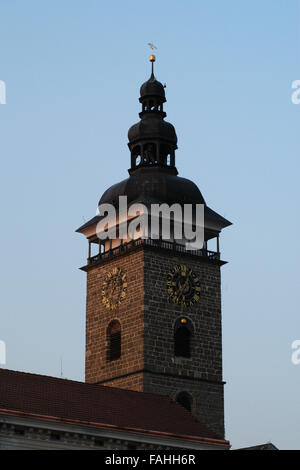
(73, 70)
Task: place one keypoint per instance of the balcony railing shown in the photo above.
(166, 245)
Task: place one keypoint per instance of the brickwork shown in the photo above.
(131, 382)
(160, 314)
(130, 314)
(147, 318)
(208, 399)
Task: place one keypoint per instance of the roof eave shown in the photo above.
(88, 424)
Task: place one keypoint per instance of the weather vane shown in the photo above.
(152, 46)
(152, 57)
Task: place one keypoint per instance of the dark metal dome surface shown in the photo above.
(154, 185)
(152, 87)
(152, 128)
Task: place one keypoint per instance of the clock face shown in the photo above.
(183, 286)
(114, 288)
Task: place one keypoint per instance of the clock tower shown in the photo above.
(153, 307)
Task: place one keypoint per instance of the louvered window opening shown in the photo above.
(182, 340)
(114, 341)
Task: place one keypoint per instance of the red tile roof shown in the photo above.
(89, 404)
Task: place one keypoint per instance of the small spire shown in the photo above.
(152, 58)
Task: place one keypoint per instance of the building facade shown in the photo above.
(153, 319)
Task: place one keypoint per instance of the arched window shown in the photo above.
(184, 399)
(182, 337)
(114, 341)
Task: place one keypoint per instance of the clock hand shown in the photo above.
(185, 284)
(113, 288)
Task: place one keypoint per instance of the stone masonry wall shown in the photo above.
(160, 314)
(130, 314)
(147, 318)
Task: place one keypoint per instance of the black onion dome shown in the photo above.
(152, 87)
(152, 128)
(154, 185)
(153, 175)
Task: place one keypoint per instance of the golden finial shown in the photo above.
(152, 57)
